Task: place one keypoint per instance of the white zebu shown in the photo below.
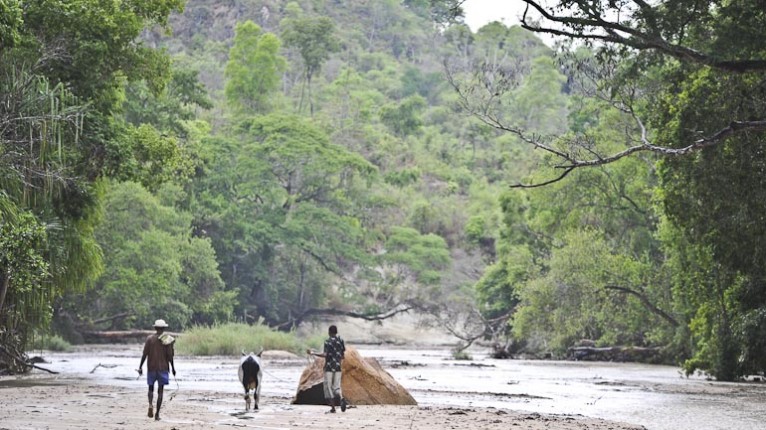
(250, 375)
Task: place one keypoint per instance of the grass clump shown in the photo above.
(233, 338)
(51, 343)
(461, 354)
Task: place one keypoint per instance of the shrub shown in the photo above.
(234, 338)
(461, 354)
(51, 343)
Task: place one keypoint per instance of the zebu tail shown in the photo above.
(250, 369)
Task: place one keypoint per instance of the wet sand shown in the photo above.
(97, 387)
(57, 403)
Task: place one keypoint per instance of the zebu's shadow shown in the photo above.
(243, 415)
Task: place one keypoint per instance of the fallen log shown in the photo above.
(616, 353)
(122, 336)
(105, 366)
(91, 324)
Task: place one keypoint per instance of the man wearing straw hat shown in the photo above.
(158, 348)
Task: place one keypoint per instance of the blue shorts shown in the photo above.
(160, 376)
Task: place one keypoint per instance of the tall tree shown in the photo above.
(690, 75)
(279, 208)
(315, 40)
(55, 59)
(153, 266)
(253, 70)
(45, 212)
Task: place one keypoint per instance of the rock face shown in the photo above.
(364, 382)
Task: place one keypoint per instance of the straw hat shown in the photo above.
(160, 324)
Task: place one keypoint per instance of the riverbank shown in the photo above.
(43, 402)
(97, 387)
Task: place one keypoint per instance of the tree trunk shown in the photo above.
(311, 102)
(4, 285)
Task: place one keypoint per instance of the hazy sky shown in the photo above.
(480, 12)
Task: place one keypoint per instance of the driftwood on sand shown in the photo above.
(18, 362)
(364, 382)
(616, 353)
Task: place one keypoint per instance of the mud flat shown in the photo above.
(97, 387)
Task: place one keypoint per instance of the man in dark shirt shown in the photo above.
(334, 352)
(158, 348)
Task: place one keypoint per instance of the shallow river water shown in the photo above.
(657, 397)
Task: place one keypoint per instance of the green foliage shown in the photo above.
(51, 343)
(496, 290)
(713, 197)
(292, 209)
(83, 52)
(233, 339)
(475, 229)
(404, 118)
(315, 40)
(570, 302)
(97, 43)
(427, 85)
(461, 355)
(402, 178)
(539, 103)
(287, 220)
(425, 256)
(152, 158)
(46, 212)
(440, 11)
(505, 47)
(253, 70)
(25, 291)
(172, 107)
(579, 259)
(299, 157)
(692, 281)
(153, 266)
(10, 22)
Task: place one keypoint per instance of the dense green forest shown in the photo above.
(274, 161)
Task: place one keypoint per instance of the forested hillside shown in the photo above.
(330, 168)
(276, 161)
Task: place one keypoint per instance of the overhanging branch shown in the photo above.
(567, 171)
(587, 27)
(569, 159)
(646, 302)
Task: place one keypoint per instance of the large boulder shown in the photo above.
(364, 382)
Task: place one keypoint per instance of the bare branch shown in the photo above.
(567, 171)
(47, 370)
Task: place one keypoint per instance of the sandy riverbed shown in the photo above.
(57, 403)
